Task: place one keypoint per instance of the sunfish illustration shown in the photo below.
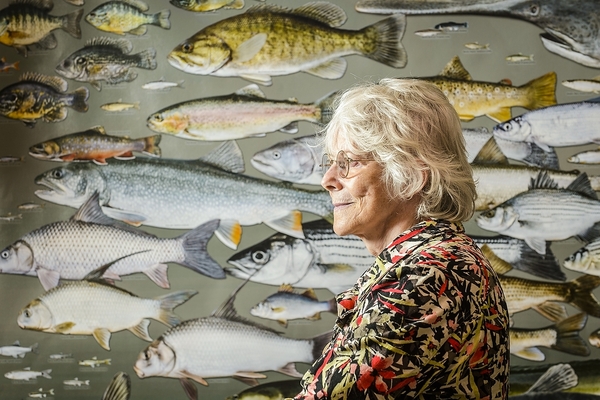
(127, 16)
(184, 194)
(94, 307)
(224, 344)
(74, 248)
(572, 28)
(585, 260)
(269, 40)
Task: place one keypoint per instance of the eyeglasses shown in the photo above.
(343, 163)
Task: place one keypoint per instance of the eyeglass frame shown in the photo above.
(327, 162)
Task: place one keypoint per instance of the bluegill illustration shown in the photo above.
(294, 160)
(571, 28)
(126, 16)
(27, 374)
(476, 98)
(286, 305)
(30, 23)
(570, 124)
(546, 213)
(207, 5)
(17, 351)
(583, 85)
(225, 344)
(562, 336)
(276, 390)
(7, 66)
(269, 40)
(184, 194)
(107, 60)
(321, 260)
(119, 387)
(72, 249)
(96, 145)
(245, 113)
(87, 307)
(586, 372)
(43, 97)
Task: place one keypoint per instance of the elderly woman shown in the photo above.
(428, 320)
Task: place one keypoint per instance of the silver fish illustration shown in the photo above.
(546, 213)
(269, 40)
(60, 356)
(562, 336)
(76, 382)
(519, 58)
(17, 351)
(585, 157)
(294, 160)
(127, 16)
(107, 60)
(427, 33)
(570, 124)
(522, 377)
(94, 362)
(572, 28)
(72, 249)
(321, 260)
(178, 194)
(11, 217)
(27, 374)
(552, 385)
(162, 85)
(451, 26)
(119, 388)
(30, 206)
(277, 390)
(477, 46)
(11, 159)
(41, 393)
(93, 307)
(586, 259)
(286, 305)
(583, 85)
(246, 113)
(224, 344)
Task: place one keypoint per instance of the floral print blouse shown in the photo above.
(427, 321)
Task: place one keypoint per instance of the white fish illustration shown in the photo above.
(76, 382)
(95, 362)
(17, 351)
(27, 374)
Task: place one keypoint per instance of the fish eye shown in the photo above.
(5, 254)
(146, 355)
(506, 126)
(534, 9)
(276, 155)
(157, 118)
(260, 257)
(27, 313)
(187, 47)
(80, 61)
(13, 98)
(57, 174)
(490, 213)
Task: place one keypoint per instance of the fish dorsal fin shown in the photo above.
(582, 185)
(16, 343)
(310, 294)
(98, 129)
(227, 156)
(543, 181)
(55, 82)
(251, 90)
(122, 45)
(557, 378)
(137, 4)
(260, 8)
(455, 70)
(286, 287)
(96, 275)
(490, 153)
(325, 12)
(45, 5)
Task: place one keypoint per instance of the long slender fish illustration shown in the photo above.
(269, 40)
(184, 194)
(572, 28)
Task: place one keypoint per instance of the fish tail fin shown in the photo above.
(542, 265)
(46, 373)
(147, 59)
(16, 65)
(161, 19)
(35, 349)
(71, 23)
(388, 45)
(568, 339)
(580, 294)
(168, 302)
(80, 98)
(332, 305)
(196, 256)
(151, 145)
(319, 343)
(325, 105)
(542, 91)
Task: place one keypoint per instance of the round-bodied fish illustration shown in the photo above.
(269, 40)
(127, 16)
(29, 23)
(43, 97)
(96, 145)
(94, 307)
(107, 60)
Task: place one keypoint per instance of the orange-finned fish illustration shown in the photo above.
(6, 66)
(96, 145)
(38, 96)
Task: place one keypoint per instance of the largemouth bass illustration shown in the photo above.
(72, 249)
(184, 194)
(572, 28)
(94, 307)
(269, 40)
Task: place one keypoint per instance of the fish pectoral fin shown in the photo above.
(315, 317)
(531, 353)
(140, 30)
(141, 330)
(199, 379)
(553, 311)
(158, 274)
(283, 322)
(189, 388)
(261, 79)
(64, 327)
(466, 117)
(248, 49)
(333, 69)
(129, 217)
(290, 128)
(102, 336)
(537, 244)
(501, 115)
(57, 115)
(499, 265)
(291, 224)
(48, 279)
(230, 233)
(290, 369)
(96, 85)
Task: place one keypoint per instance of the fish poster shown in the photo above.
(137, 167)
